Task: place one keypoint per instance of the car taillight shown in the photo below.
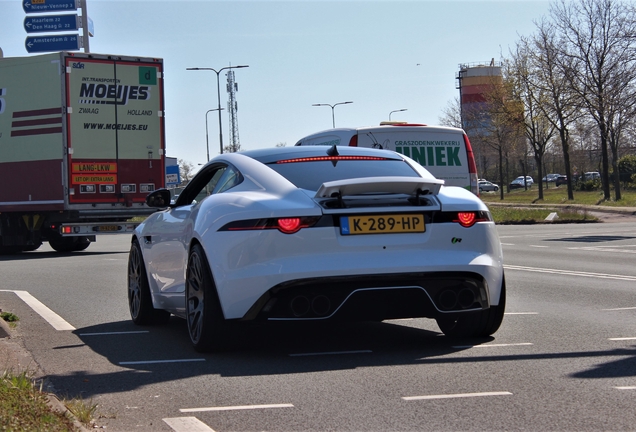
(353, 142)
(468, 219)
(289, 225)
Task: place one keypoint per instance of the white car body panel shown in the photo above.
(246, 264)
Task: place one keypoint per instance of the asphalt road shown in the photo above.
(564, 358)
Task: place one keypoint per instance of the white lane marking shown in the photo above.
(538, 246)
(622, 338)
(458, 395)
(56, 321)
(626, 388)
(521, 313)
(161, 361)
(114, 333)
(330, 353)
(187, 424)
(236, 407)
(493, 345)
(571, 273)
(619, 309)
(507, 244)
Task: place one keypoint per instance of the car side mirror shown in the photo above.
(158, 199)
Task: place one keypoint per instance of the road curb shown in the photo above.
(57, 405)
(5, 331)
(596, 208)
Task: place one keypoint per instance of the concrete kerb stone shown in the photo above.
(580, 207)
(4, 329)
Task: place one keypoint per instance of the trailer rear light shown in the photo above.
(285, 225)
(128, 188)
(87, 188)
(107, 188)
(67, 230)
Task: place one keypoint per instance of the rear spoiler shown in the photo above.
(380, 185)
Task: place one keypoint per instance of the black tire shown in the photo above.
(476, 324)
(10, 250)
(140, 305)
(81, 244)
(31, 248)
(62, 244)
(207, 327)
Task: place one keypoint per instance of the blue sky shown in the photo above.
(382, 55)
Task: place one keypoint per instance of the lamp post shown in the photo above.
(333, 118)
(207, 142)
(400, 110)
(218, 94)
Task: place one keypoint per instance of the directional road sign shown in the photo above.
(40, 6)
(51, 23)
(63, 42)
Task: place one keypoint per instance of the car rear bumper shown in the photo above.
(376, 297)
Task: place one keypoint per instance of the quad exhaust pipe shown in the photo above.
(451, 300)
(319, 305)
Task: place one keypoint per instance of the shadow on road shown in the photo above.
(164, 353)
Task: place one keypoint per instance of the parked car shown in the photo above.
(551, 177)
(519, 182)
(316, 234)
(561, 180)
(486, 186)
(593, 175)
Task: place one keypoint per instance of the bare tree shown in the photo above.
(186, 170)
(598, 37)
(524, 81)
(492, 125)
(560, 104)
(452, 114)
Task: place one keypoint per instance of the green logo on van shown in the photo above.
(432, 156)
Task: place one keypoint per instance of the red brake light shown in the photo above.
(353, 142)
(466, 219)
(329, 158)
(67, 230)
(289, 225)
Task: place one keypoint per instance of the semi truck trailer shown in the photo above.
(82, 142)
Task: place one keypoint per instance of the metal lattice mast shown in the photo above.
(232, 108)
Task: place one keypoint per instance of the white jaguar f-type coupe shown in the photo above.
(316, 233)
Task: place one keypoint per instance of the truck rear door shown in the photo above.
(115, 130)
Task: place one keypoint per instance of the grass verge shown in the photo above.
(559, 195)
(514, 215)
(24, 407)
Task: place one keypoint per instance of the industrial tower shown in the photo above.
(232, 108)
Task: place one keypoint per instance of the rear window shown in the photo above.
(312, 174)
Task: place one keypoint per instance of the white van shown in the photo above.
(444, 151)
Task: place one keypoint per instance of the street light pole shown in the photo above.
(207, 142)
(333, 117)
(218, 94)
(403, 109)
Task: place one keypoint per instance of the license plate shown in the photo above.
(382, 224)
(108, 228)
